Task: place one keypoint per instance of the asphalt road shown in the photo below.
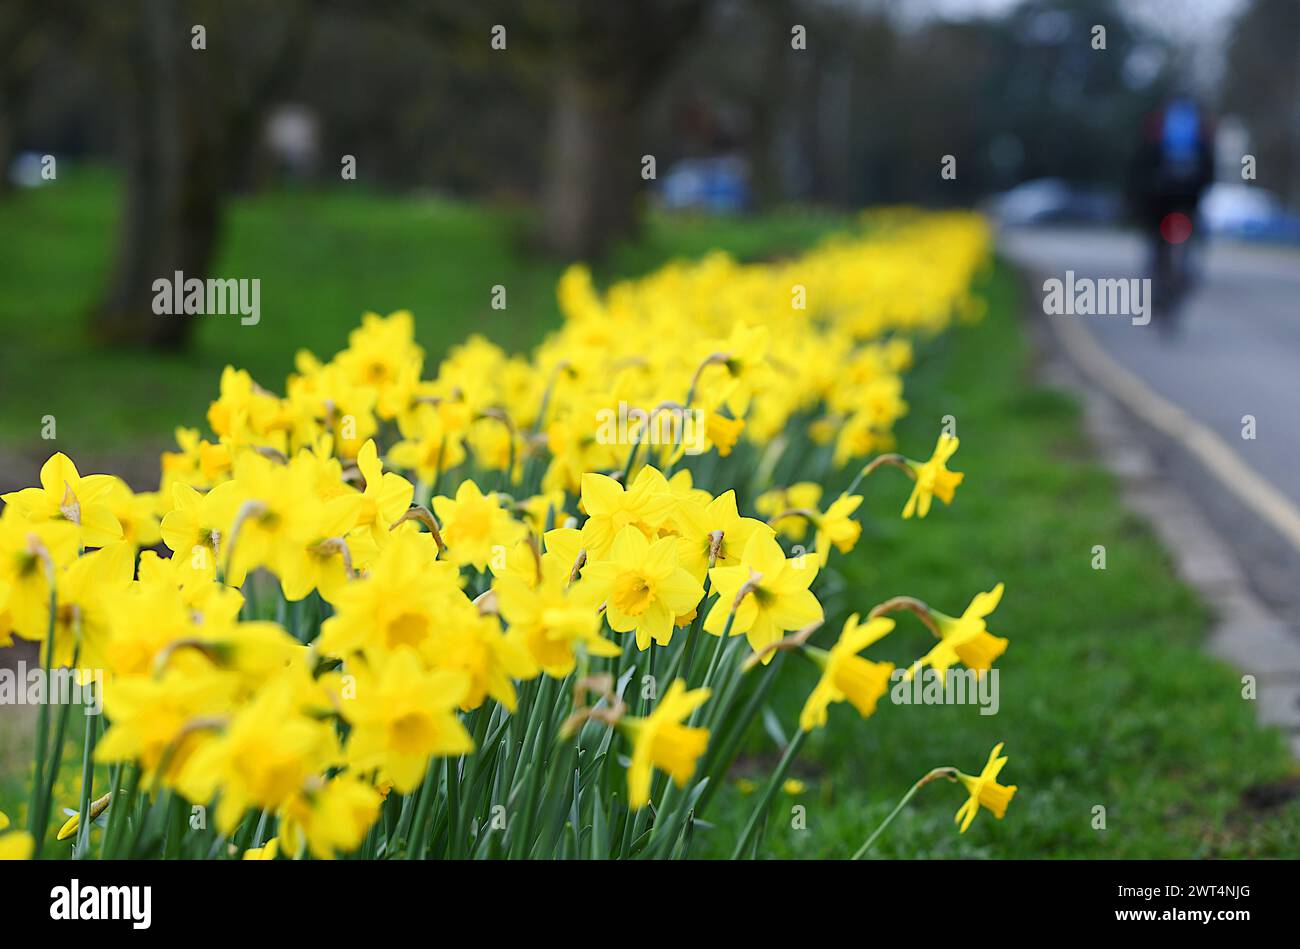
(1238, 349)
(1236, 354)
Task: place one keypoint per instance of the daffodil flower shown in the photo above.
(73, 823)
(661, 741)
(66, 495)
(14, 844)
(646, 504)
(966, 638)
(402, 714)
(846, 675)
(776, 596)
(985, 791)
(933, 479)
(475, 524)
(837, 528)
(643, 587)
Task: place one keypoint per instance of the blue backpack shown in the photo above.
(1180, 142)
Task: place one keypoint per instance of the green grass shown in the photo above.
(1107, 697)
(323, 257)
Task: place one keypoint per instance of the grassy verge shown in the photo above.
(323, 258)
(1107, 698)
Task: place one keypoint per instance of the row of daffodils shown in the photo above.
(529, 607)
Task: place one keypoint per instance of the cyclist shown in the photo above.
(1173, 166)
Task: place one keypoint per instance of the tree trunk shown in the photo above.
(173, 191)
(7, 146)
(191, 118)
(593, 173)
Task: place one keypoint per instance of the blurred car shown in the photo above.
(719, 185)
(1056, 201)
(1232, 209)
(26, 170)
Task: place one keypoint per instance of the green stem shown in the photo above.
(911, 793)
(896, 460)
(34, 824)
(687, 653)
(453, 806)
(769, 792)
(82, 843)
(522, 845)
(123, 808)
(428, 791)
(717, 652)
(725, 742)
(52, 774)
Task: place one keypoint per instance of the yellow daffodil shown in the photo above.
(804, 496)
(14, 844)
(260, 757)
(647, 505)
(429, 446)
(245, 414)
(475, 644)
(32, 555)
(475, 525)
(399, 603)
(933, 479)
(324, 561)
(268, 851)
(846, 675)
(386, 497)
(837, 528)
(698, 524)
(743, 368)
(536, 509)
(402, 714)
(65, 495)
(328, 817)
(966, 638)
(778, 599)
(643, 587)
(661, 741)
(274, 519)
(194, 526)
(985, 791)
(84, 593)
(380, 349)
(136, 513)
(552, 618)
(157, 722)
(73, 823)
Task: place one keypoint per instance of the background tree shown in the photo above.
(1263, 83)
(25, 37)
(191, 118)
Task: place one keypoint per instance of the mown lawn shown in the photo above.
(323, 258)
(1106, 697)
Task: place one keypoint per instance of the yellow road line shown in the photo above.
(1234, 474)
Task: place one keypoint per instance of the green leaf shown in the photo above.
(772, 725)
